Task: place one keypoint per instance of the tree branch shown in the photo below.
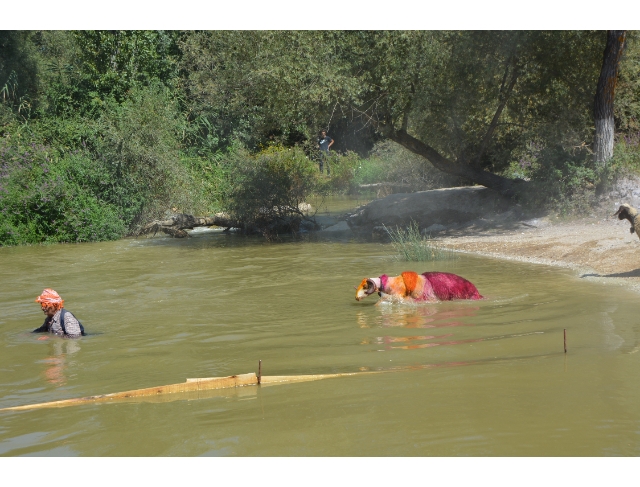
(494, 122)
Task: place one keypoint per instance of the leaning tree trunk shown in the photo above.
(505, 186)
(603, 106)
(470, 169)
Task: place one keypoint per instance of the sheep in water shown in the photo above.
(429, 286)
(630, 213)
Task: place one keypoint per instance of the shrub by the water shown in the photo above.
(138, 142)
(80, 179)
(265, 190)
(626, 157)
(562, 180)
(411, 245)
(46, 198)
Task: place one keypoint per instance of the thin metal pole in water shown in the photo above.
(260, 368)
(565, 343)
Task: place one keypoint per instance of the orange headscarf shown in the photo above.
(50, 299)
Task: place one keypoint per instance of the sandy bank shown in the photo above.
(597, 249)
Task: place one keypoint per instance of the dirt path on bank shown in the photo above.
(597, 249)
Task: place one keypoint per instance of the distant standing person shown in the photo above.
(324, 142)
(58, 320)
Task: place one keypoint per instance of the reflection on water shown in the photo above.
(59, 359)
(421, 315)
(485, 377)
(415, 315)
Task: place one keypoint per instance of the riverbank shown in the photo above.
(600, 249)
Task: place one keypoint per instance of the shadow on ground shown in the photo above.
(490, 226)
(633, 273)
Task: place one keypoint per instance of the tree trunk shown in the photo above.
(505, 186)
(603, 106)
(470, 169)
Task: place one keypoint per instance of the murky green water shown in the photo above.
(471, 378)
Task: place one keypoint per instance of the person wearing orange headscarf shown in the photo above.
(58, 320)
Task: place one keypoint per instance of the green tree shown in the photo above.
(18, 75)
(247, 84)
(465, 101)
(116, 61)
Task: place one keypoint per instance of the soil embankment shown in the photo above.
(478, 221)
(600, 249)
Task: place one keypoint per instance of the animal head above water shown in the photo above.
(367, 286)
(626, 211)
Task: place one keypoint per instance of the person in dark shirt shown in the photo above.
(58, 320)
(324, 142)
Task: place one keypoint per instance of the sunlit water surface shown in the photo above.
(465, 378)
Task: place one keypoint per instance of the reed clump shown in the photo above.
(412, 246)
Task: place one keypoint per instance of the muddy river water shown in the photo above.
(463, 378)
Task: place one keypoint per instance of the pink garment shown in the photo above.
(446, 286)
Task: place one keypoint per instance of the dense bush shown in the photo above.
(562, 179)
(625, 161)
(78, 179)
(47, 198)
(138, 142)
(266, 190)
(343, 170)
(626, 153)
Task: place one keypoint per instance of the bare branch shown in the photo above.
(494, 122)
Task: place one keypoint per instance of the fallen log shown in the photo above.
(177, 224)
(190, 385)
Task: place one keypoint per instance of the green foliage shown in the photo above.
(563, 180)
(445, 87)
(141, 122)
(412, 246)
(45, 198)
(206, 184)
(12, 105)
(442, 87)
(389, 162)
(138, 143)
(266, 189)
(115, 62)
(251, 84)
(93, 180)
(18, 82)
(626, 153)
(625, 160)
(627, 100)
(343, 170)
